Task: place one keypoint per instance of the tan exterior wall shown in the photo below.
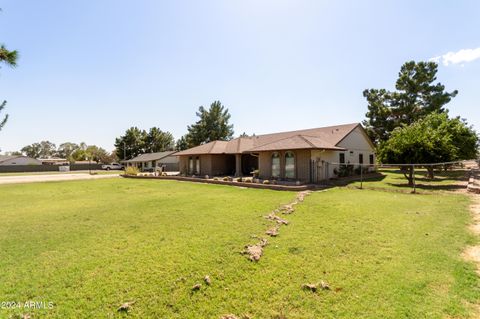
(205, 164)
(265, 164)
(302, 164)
(183, 164)
(212, 165)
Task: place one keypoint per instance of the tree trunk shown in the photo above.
(408, 173)
(430, 172)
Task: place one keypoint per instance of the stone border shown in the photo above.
(240, 184)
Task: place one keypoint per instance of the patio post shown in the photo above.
(238, 165)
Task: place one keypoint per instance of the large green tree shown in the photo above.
(44, 149)
(65, 150)
(9, 58)
(131, 144)
(213, 124)
(91, 152)
(433, 139)
(137, 141)
(416, 96)
(181, 144)
(158, 141)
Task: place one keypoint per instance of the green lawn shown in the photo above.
(101, 172)
(393, 179)
(89, 246)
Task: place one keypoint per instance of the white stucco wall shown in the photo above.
(355, 143)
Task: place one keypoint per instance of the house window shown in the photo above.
(289, 165)
(360, 158)
(190, 165)
(371, 159)
(197, 165)
(275, 165)
(342, 158)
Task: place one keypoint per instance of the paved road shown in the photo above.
(50, 178)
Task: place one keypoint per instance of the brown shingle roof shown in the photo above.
(316, 138)
(296, 142)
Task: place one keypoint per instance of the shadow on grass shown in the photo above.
(394, 180)
(457, 175)
(345, 181)
(430, 187)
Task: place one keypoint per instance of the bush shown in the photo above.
(131, 170)
(266, 182)
(247, 180)
(225, 179)
(215, 178)
(345, 170)
(238, 179)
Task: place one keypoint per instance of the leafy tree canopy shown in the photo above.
(433, 139)
(415, 97)
(10, 59)
(136, 141)
(43, 149)
(159, 141)
(213, 124)
(181, 144)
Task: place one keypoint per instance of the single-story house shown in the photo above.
(306, 155)
(53, 160)
(166, 161)
(7, 160)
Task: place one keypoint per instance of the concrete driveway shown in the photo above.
(51, 178)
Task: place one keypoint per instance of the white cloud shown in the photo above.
(459, 57)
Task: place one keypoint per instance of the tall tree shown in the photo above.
(90, 152)
(131, 144)
(181, 144)
(10, 59)
(44, 149)
(212, 125)
(32, 150)
(65, 150)
(415, 97)
(433, 139)
(158, 141)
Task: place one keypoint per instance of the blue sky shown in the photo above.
(88, 70)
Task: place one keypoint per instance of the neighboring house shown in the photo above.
(305, 155)
(6, 160)
(153, 161)
(54, 161)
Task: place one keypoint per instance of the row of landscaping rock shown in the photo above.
(249, 184)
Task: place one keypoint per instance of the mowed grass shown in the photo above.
(100, 172)
(89, 246)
